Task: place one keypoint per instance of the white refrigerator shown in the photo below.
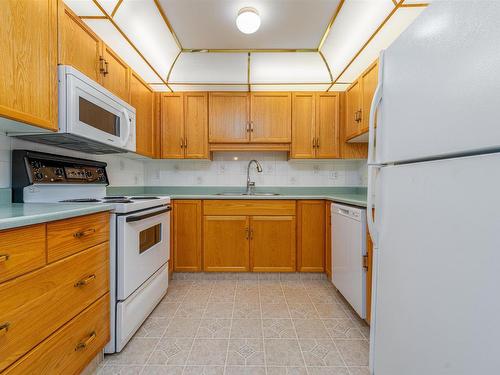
(434, 182)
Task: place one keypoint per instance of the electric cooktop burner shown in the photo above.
(137, 198)
(81, 200)
(119, 201)
(115, 197)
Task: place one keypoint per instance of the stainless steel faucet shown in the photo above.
(251, 184)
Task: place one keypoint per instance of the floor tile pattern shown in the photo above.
(250, 326)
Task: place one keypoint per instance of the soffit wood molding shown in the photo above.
(166, 80)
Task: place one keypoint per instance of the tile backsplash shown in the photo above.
(226, 169)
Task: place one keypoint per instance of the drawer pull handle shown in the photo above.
(85, 281)
(4, 327)
(4, 258)
(84, 233)
(83, 345)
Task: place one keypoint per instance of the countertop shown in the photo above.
(350, 195)
(14, 215)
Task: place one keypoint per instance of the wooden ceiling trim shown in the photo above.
(115, 9)
(169, 25)
(330, 24)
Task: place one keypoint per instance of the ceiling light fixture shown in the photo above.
(248, 20)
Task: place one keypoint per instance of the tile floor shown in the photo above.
(247, 327)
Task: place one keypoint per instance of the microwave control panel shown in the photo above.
(50, 171)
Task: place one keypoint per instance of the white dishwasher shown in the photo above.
(348, 249)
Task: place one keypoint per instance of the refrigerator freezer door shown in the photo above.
(438, 276)
(440, 84)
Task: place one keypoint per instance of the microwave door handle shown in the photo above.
(135, 218)
(127, 121)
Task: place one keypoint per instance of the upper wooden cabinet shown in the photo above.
(315, 125)
(358, 101)
(184, 125)
(229, 117)
(28, 69)
(116, 75)
(270, 119)
(142, 99)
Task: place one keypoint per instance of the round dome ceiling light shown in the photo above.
(248, 20)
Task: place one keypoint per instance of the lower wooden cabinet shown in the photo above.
(226, 243)
(328, 239)
(311, 236)
(272, 243)
(187, 235)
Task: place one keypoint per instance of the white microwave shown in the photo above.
(91, 118)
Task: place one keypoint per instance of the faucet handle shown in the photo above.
(251, 183)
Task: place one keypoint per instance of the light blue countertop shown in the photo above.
(21, 214)
(350, 195)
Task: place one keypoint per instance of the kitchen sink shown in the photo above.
(248, 194)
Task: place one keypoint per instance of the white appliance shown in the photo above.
(348, 249)
(139, 232)
(434, 180)
(91, 118)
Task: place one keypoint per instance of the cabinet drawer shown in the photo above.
(67, 237)
(35, 305)
(249, 207)
(21, 250)
(69, 349)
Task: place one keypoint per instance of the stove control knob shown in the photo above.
(88, 174)
(38, 176)
(36, 164)
(59, 172)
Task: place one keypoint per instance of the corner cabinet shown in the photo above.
(142, 99)
(184, 125)
(116, 74)
(28, 72)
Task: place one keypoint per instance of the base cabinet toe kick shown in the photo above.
(54, 310)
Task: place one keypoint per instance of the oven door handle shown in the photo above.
(132, 219)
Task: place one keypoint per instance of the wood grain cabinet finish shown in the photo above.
(184, 125)
(187, 235)
(69, 236)
(349, 150)
(36, 304)
(28, 71)
(229, 117)
(328, 239)
(353, 109)
(70, 348)
(21, 250)
(315, 125)
(270, 119)
(369, 81)
(226, 243)
(311, 236)
(142, 99)
(116, 75)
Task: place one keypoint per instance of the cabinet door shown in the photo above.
(270, 118)
(327, 126)
(272, 243)
(196, 125)
(78, 45)
(28, 68)
(369, 80)
(172, 126)
(141, 98)
(116, 77)
(226, 243)
(303, 125)
(311, 236)
(187, 235)
(229, 117)
(328, 239)
(349, 150)
(353, 105)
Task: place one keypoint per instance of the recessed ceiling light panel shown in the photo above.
(248, 20)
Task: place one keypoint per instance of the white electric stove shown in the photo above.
(139, 231)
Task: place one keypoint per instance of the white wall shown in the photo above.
(222, 171)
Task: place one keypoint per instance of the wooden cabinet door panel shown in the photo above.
(187, 235)
(28, 69)
(141, 98)
(349, 150)
(353, 106)
(196, 125)
(327, 126)
(303, 125)
(228, 117)
(271, 117)
(226, 243)
(328, 239)
(117, 76)
(78, 45)
(172, 126)
(369, 80)
(311, 236)
(272, 243)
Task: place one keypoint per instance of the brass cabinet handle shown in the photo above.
(360, 115)
(85, 281)
(317, 142)
(4, 258)
(314, 142)
(4, 328)
(106, 71)
(248, 127)
(182, 143)
(83, 344)
(251, 126)
(84, 233)
(247, 233)
(185, 142)
(251, 234)
(102, 67)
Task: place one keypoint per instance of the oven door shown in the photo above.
(143, 246)
(94, 113)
